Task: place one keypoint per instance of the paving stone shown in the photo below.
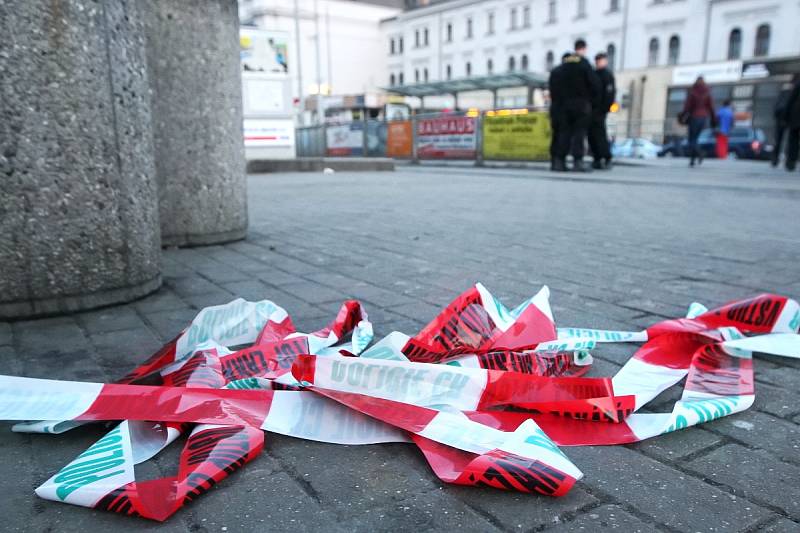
(314, 293)
(782, 525)
(167, 324)
(666, 495)
(5, 333)
(678, 444)
(161, 300)
(110, 319)
(522, 512)
(755, 474)
(759, 430)
(605, 518)
(119, 352)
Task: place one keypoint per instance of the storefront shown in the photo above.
(752, 86)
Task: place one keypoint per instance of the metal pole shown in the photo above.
(364, 138)
(328, 47)
(319, 71)
(297, 59)
(414, 156)
(494, 98)
(479, 140)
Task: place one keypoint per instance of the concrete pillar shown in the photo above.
(78, 203)
(196, 90)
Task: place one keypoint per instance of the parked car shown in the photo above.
(743, 143)
(636, 148)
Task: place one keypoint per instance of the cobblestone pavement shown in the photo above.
(619, 250)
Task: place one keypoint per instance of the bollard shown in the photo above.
(195, 79)
(79, 225)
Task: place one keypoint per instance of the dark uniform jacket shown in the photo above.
(793, 107)
(573, 84)
(608, 91)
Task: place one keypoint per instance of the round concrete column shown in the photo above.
(78, 203)
(196, 90)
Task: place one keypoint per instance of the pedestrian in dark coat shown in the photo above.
(779, 115)
(598, 131)
(699, 107)
(574, 88)
(555, 110)
(792, 117)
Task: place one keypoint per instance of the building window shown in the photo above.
(611, 51)
(448, 71)
(391, 46)
(469, 28)
(416, 75)
(490, 24)
(551, 11)
(512, 64)
(735, 44)
(652, 55)
(581, 9)
(523, 62)
(489, 66)
(762, 41)
(449, 32)
(526, 17)
(400, 79)
(416, 38)
(548, 61)
(400, 45)
(425, 74)
(468, 69)
(513, 18)
(674, 50)
(613, 6)
(391, 80)
(425, 37)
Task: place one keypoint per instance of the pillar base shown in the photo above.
(204, 239)
(81, 302)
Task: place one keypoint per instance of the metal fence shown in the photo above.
(521, 134)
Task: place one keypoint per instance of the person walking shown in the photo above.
(699, 109)
(574, 88)
(724, 125)
(779, 114)
(598, 131)
(792, 117)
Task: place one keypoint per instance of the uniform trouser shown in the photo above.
(572, 128)
(598, 138)
(780, 129)
(554, 124)
(792, 147)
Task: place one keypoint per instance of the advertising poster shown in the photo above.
(449, 136)
(518, 137)
(399, 139)
(264, 51)
(345, 139)
(268, 132)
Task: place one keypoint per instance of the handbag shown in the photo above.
(683, 117)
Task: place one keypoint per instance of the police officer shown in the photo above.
(598, 133)
(574, 87)
(555, 110)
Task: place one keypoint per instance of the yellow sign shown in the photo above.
(517, 136)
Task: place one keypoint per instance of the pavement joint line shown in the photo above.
(568, 516)
(605, 498)
(768, 521)
(724, 487)
(614, 181)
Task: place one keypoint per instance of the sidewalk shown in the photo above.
(619, 250)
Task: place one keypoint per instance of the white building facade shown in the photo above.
(646, 40)
(339, 48)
